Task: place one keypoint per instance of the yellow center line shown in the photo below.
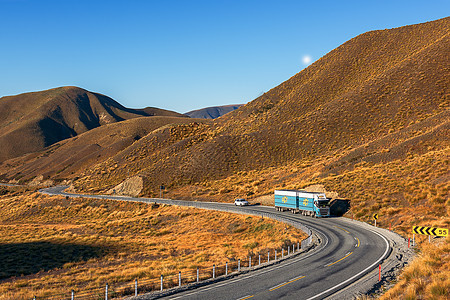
(357, 246)
(278, 286)
(340, 259)
(248, 297)
(341, 229)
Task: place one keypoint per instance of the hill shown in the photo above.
(377, 98)
(212, 112)
(64, 159)
(32, 121)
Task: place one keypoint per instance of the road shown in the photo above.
(348, 250)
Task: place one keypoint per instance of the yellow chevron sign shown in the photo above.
(375, 216)
(430, 231)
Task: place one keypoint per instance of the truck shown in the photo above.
(307, 203)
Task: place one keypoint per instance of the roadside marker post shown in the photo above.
(161, 282)
(268, 256)
(72, 295)
(161, 188)
(135, 287)
(226, 268)
(179, 278)
(379, 272)
(214, 271)
(239, 265)
(106, 292)
(197, 274)
(250, 262)
(259, 259)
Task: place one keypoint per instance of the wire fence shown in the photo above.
(167, 281)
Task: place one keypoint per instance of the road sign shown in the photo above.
(430, 231)
(375, 216)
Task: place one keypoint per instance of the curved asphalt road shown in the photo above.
(347, 252)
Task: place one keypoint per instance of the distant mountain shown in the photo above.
(212, 112)
(32, 121)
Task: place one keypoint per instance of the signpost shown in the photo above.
(429, 231)
(375, 217)
(161, 188)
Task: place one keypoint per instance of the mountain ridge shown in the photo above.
(213, 112)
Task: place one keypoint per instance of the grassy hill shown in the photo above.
(380, 97)
(65, 159)
(32, 121)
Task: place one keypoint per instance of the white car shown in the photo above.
(240, 202)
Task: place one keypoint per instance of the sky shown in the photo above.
(182, 55)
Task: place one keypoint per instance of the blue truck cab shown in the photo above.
(307, 203)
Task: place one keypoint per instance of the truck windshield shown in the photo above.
(323, 203)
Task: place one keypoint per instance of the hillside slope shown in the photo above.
(63, 160)
(212, 112)
(32, 121)
(377, 98)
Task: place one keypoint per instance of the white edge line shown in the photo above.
(363, 271)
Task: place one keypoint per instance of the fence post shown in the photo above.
(197, 275)
(161, 282)
(239, 265)
(226, 268)
(135, 287)
(214, 271)
(106, 292)
(73, 295)
(179, 278)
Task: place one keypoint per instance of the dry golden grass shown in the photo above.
(428, 276)
(62, 244)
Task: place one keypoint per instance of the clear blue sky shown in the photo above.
(181, 55)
